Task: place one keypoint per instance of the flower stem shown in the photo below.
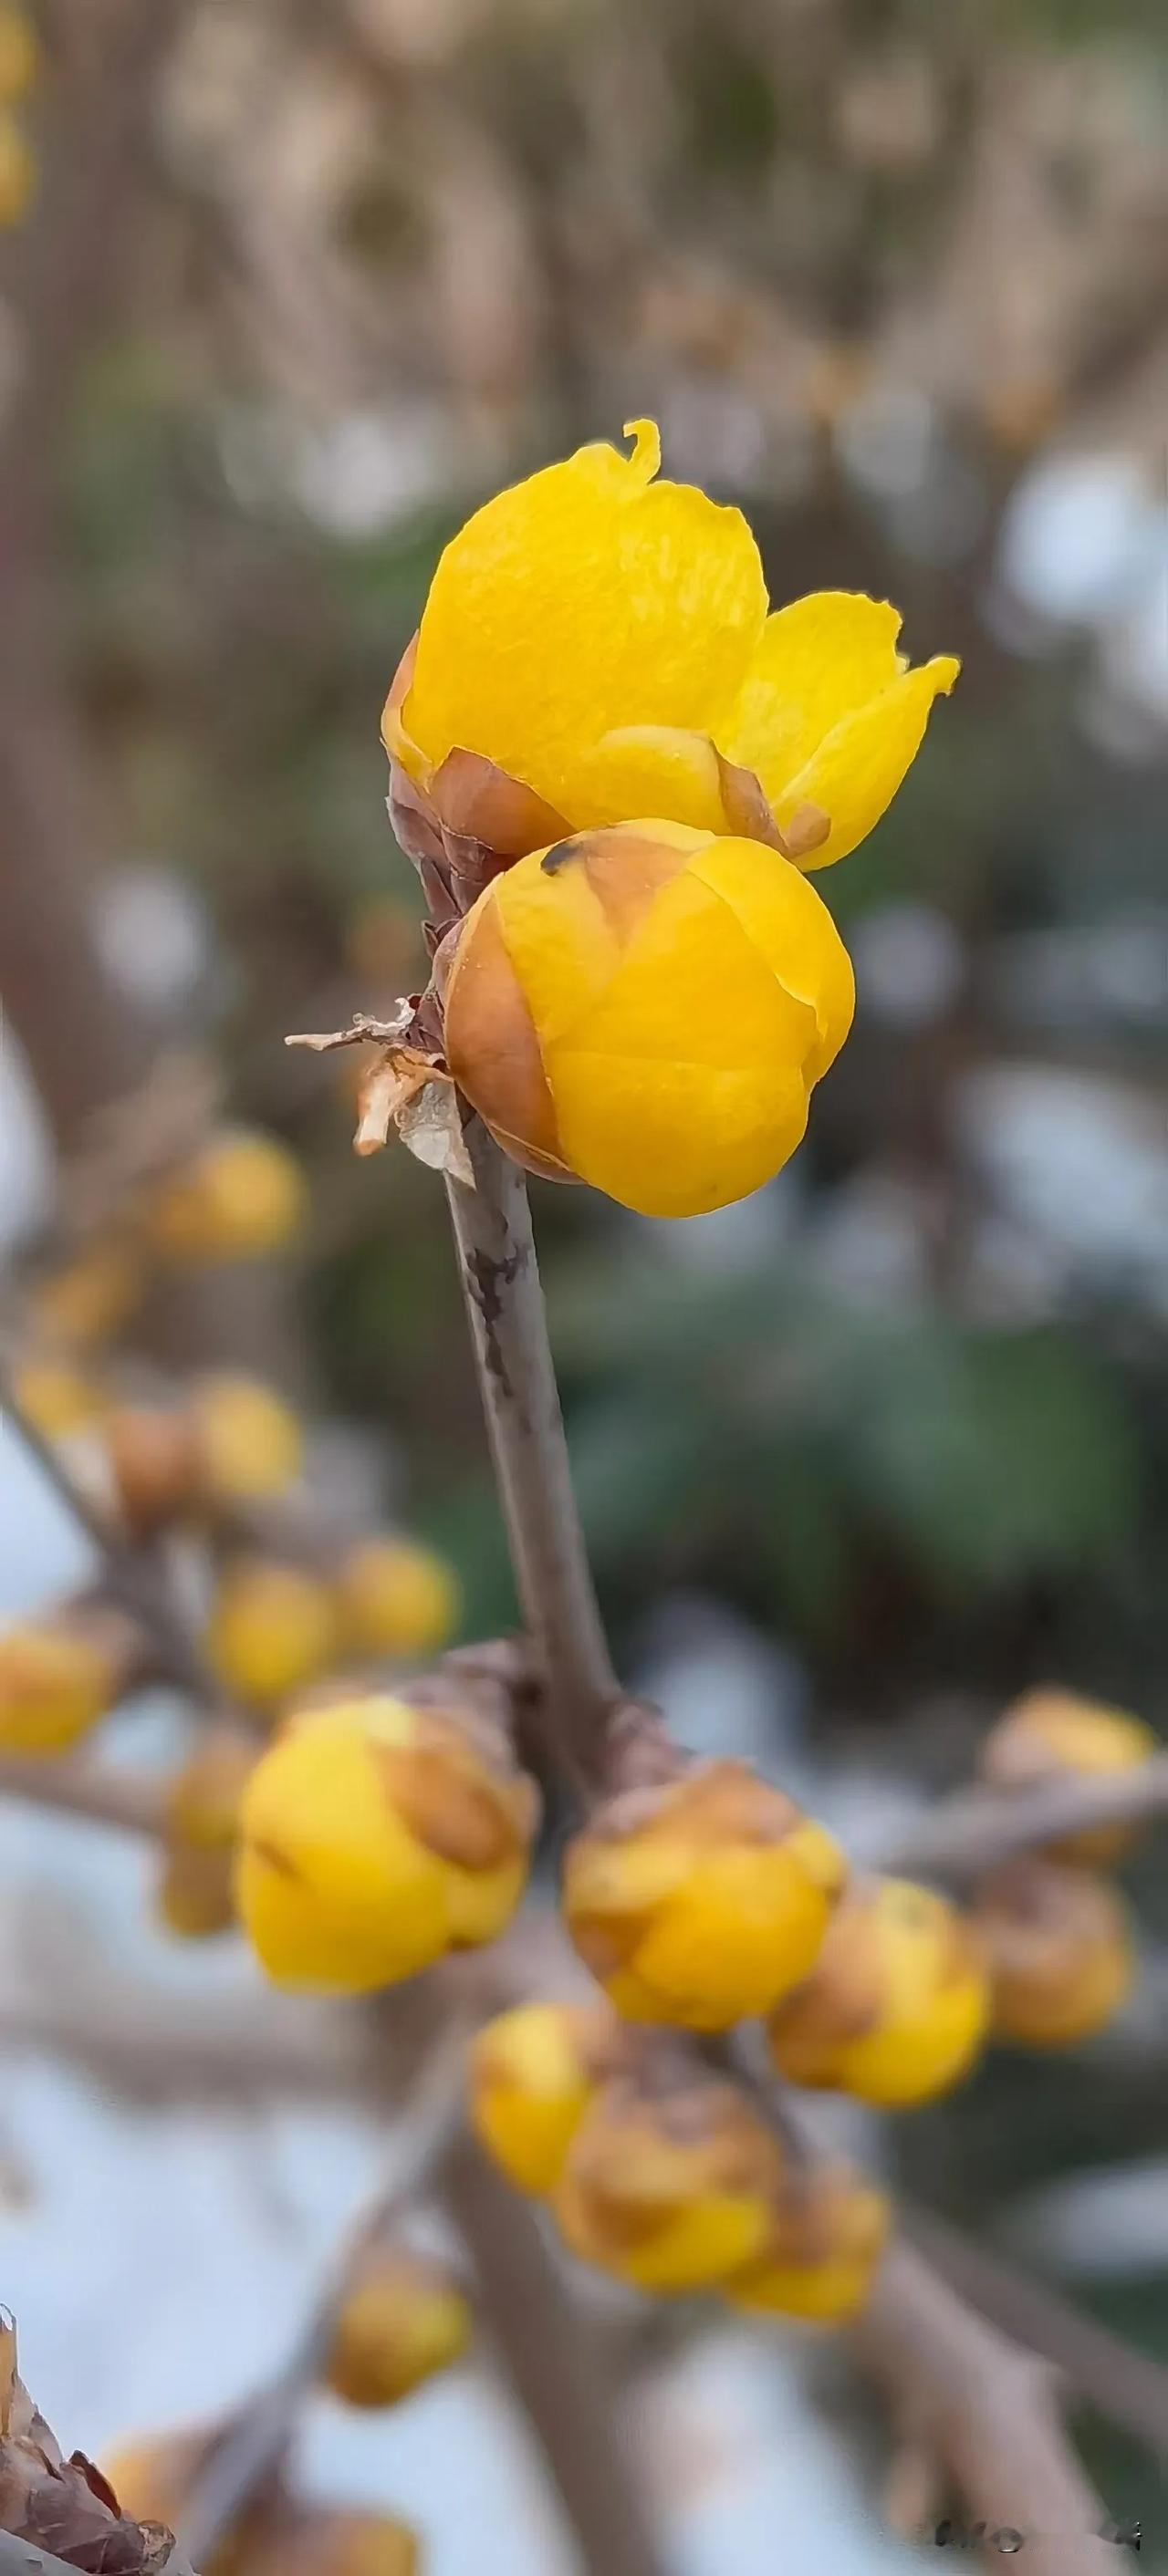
(508, 1323)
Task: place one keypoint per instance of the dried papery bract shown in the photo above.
(533, 2072)
(1052, 1734)
(897, 2004)
(669, 2179)
(64, 2506)
(1060, 1953)
(702, 1901)
(376, 1836)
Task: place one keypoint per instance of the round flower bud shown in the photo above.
(397, 1598)
(19, 55)
(1059, 1950)
(195, 1894)
(250, 1442)
(153, 1453)
(668, 2184)
(272, 1629)
(647, 1009)
(308, 2542)
(702, 1902)
(90, 1297)
(533, 2072)
(57, 1399)
(59, 1674)
(829, 2227)
(896, 2006)
(401, 2319)
(1052, 1735)
(375, 1837)
(18, 172)
(240, 1197)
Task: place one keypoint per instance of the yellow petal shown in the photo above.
(651, 769)
(586, 600)
(793, 929)
(856, 771)
(818, 660)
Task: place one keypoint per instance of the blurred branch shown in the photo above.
(253, 2444)
(133, 1801)
(24, 2558)
(980, 1828)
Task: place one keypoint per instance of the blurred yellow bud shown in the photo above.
(1055, 1735)
(90, 1297)
(272, 1628)
(397, 1598)
(311, 2542)
(57, 1398)
(829, 2227)
(375, 1837)
(153, 2479)
(195, 1893)
(896, 2006)
(251, 1445)
(18, 172)
(62, 1672)
(647, 1009)
(703, 1902)
(401, 2318)
(668, 2184)
(240, 1197)
(19, 55)
(1060, 1953)
(533, 2072)
(154, 1462)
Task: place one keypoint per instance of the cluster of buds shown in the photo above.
(19, 65)
(402, 2318)
(896, 2007)
(701, 1901)
(276, 1628)
(661, 2172)
(226, 1443)
(376, 1836)
(277, 2534)
(63, 1671)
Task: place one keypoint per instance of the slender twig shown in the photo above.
(132, 1801)
(500, 1279)
(980, 1828)
(253, 2444)
(26, 2558)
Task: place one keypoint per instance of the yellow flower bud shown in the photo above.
(533, 2072)
(240, 1197)
(602, 638)
(153, 1452)
(829, 2227)
(90, 1297)
(669, 2183)
(401, 2319)
(374, 1838)
(896, 2006)
(250, 1442)
(397, 1598)
(18, 172)
(57, 1399)
(19, 55)
(647, 1009)
(308, 2542)
(272, 1629)
(1052, 1735)
(703, 1902)
(59, 1674)
(1060, 1953)
(195, 1893)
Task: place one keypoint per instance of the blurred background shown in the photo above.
(285, 293)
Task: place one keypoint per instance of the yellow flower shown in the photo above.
(18, 172)
(669, 2185)
(1060, 1953)
(401, 2319)
(59, 1674)
(240, 1197)
(648, 1009)
(272, 1628)
(603, 638)
(896, 2006)
(374, 1838)
(829, 2228)
(90, 1297)
(533, 2072)
(1052, 1735)
(397, 1598)
(19, 55)
(703, 1902)
(250, 1442)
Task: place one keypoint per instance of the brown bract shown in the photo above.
(63, 2505)
(407, 1086)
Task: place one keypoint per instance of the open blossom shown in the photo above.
(604, 639)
